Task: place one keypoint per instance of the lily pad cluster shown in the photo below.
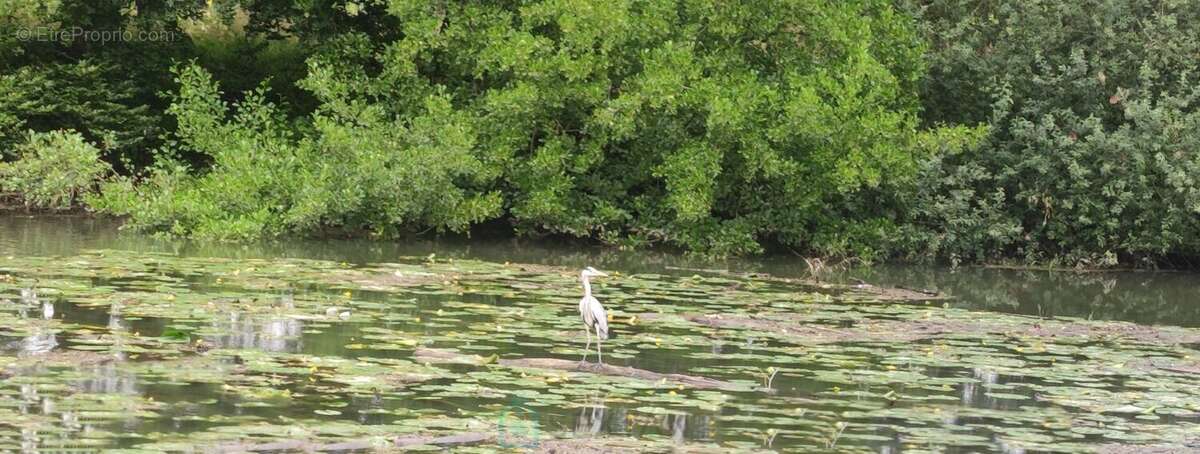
(158, 352)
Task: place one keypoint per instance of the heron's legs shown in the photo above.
(599, 343)
(588, 347)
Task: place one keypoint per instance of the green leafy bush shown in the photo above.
(955, 207)
(1040, 129)
(94, 97)
(375, 174)
(1091, 156)
(53, 170)
(241, 60)
(711, 126)
(107, 89)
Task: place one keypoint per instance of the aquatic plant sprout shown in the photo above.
(160, 352)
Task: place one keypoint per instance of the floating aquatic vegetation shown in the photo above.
(158, 352)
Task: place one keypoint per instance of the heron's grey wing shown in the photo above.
(600, 319)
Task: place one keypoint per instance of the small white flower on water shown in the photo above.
(331, 312)
(344, 315)
(47, 310)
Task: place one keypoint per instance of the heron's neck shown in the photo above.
(587, 286)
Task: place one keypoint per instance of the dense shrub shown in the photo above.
(110, 89)
(94, 98)
(374, 174)
(53, 170)
(712, 126)
(1091, 155)
(242, 60)
(105, 89)
(949, 129)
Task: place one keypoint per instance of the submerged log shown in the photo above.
(622, 371)
(583, 445)
(434, 355)
(449, 440)
(465, 438)
(444, 356)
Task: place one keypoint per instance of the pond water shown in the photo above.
(114, 340)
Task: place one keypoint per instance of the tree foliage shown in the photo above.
(706, 125)
(1038, 129)
(1092, 151)
(100, 67)
(265, 180)
(53, 170)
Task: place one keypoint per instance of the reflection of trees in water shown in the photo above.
(1144, 297)
(41, 342)
(69, 236)
(975, 394)
(29, 398)
(681, 427)
(42, 338)
(273, 335)
(34, 438)
(108, 379)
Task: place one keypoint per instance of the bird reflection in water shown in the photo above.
(678, 427)
(590, 421)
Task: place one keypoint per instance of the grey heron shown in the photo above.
(594, 317)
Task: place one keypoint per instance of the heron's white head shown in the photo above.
(592, 272)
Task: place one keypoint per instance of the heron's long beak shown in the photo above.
(601, 273)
